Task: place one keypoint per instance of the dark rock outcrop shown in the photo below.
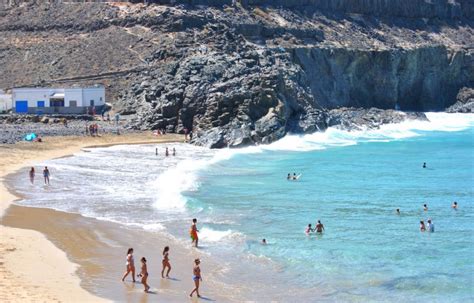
(465, 102)
(245, 72)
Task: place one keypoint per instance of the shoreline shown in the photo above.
(21, 275)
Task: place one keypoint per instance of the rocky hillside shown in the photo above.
(248, 71)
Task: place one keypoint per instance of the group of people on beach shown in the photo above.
(166, 265)
(92, 130)
(46, 175)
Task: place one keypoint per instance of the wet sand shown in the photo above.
(33, 269)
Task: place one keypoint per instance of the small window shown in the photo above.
(72, 103)
(92, 102)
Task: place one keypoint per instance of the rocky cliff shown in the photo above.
(249, 71)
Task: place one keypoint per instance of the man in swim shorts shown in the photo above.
(319, 227)
(193, 233)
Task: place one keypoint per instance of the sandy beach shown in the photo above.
(27, 253)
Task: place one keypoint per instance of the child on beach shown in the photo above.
(144, 274)
(46, 175)
(32, 175)
(196, 278)
(193, 233)
(130, 265)
(166, 262)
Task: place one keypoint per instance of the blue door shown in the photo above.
(40, 104)
(21, 106)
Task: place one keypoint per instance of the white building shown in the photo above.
(57, 100)
(5, 101)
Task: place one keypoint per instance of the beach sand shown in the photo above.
(37, 245)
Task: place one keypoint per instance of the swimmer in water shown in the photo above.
(430, 226)
(309, 229)
(294, 176)
(422, 226)
(398, 211)
(264, 242)
(455, 205)
(319, 227)
(425, 207)
(424, 164)
(288, 177)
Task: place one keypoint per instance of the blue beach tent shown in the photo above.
(30, 137)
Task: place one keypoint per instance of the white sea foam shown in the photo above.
(211, 235)
(171, 184)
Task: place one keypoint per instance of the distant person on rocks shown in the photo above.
(430, 226)
(117, 119)
(425, 207)
(193, 233)
(422, 226)
(455, 205)
(424, 164)
(32, 175)
(167, 153)
(87, 129)
(319, 227)
(166, 262)
(46, 175)
(185, 134)
(144, 274)
(196, 278)
(190, 136)
(130, 264)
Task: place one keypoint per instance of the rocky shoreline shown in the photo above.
(15, 127)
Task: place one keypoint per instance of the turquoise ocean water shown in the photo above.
(352, 181)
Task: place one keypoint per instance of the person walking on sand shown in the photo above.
(319, 227)
(196, 278)
(32, 175)
(193, 232)
(167, 153)
(130, 265)
(166, 263)
(144, 274)
(46, 175)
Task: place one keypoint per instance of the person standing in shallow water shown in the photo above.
(422, 226)
(193, 233)
(455, 205)
(166, 262)
(32, 175)
(319, 227)
(46, 175)
(425, 207)
(167, 153)
(424, 164)
(196, 278)
(130, 264)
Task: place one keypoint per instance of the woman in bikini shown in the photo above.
(166, 262)
(130, 265)
(196, 278)
(144, 274)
